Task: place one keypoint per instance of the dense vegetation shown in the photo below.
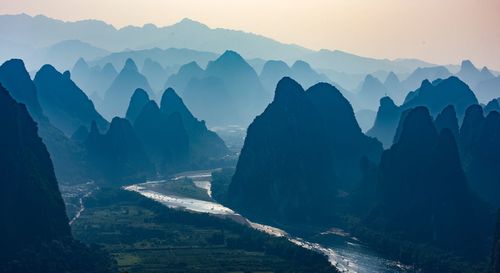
(145, 236)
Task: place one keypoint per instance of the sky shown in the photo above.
(439, 31)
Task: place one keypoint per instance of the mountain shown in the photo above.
(303, 73)
(63, 102)
(29, 188)
(386, 122)
(346, 140)
(495, 253)
(488, 89)
(209, 98)
(273, 72)
(283, 173)
(118, 156)
(441, 93)
(493, 105)
(186, 73)
(365, 119)
(15, 78)
(370, 92)
(64, 54)
(242, 82)
(117, 96)
(447, 119)
(480, 146)
(170, 56)
(155, 73)
(432, 73)
(41, 31)
(423, 193)
(138, 100)
(164, 138)
(341, 61)
(33, 214)
(473, 76)
(394, 87)
(65, 154)
(94, 81)
(203, 144)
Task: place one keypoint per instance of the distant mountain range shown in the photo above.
(22, 35)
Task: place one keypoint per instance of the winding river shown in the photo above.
(344, 252)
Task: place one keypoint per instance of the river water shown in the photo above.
(343, 251)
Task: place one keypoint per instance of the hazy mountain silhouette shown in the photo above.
(386, 122)
(284, 170)
(414, 80)
(117, 156)
(186, 73)
(242, 82)
(63, 102)
(370, 92)
(423, 193)
(365, 119)
(94, 81)
(138, 100)
(473, 76)
(155, 73)
(394, 87)
(273, 72)
(203, 144)
(488, 89)
(34, 221)
(117, 96)
(303, 73)
(209, 98)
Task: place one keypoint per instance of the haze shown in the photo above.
(438, 31)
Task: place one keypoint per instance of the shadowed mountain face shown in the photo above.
(117, 96)
(32, 209)
(138, 100)
(164, 137)
(488, 89)
(15, 78)
(284, 170)
(394, 87)
(447, 119)
(203, 144)
(436, 96)
(480, 147)
(423, 193)
(493, 105)
(495, 253)
(65, 154)
(298, 153)
(118, 155)
(346, 140)
(66, 106)
(35, 234)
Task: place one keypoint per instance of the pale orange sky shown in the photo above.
(440, 31)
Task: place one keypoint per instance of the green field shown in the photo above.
(145, 236)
